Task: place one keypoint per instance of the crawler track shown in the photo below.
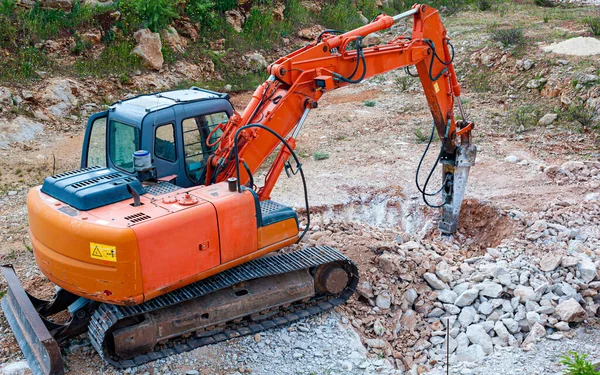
(107, 316)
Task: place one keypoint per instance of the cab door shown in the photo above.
(94, 148)
(160, 139)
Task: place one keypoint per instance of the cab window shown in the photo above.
(124, 140)
(164, 142)
(196, 131)
(97, 143)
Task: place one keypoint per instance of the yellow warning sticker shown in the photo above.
(436, 87)
(103, 252)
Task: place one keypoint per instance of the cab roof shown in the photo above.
(139, 106)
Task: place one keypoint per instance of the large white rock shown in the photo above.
(571, 311)
(173, 40)
(473, 353)
(547, 119)
(21, 129)
(467, 316)
(490, 289)
(502, 332)
(467, 297)
(58, 97)
(587, 268)
(434, 282)
(447, 296)
(443, 271)
(149, 48)
(478, 335)
(550, 261)
(524, 292)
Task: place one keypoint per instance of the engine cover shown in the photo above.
(92, 187)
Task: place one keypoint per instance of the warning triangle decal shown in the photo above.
(96, 252)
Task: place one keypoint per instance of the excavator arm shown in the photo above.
(297, 82)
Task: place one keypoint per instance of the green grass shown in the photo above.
(116, 59)
(478, 80)
(23, 64)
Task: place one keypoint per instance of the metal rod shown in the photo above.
(300, 123)
(460, 108)
(406, 14)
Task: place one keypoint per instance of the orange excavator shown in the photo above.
(162, 242)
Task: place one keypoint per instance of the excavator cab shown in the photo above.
(172, 126)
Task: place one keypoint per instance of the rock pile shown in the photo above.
(575, 171)
(539, 283)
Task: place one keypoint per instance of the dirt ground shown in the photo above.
(368, 178)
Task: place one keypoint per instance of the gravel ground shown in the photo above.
(541, 359)
(321, 345)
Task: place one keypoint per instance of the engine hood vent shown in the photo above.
(92, 187)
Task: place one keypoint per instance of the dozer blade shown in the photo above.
(37, 344)
(454, 192)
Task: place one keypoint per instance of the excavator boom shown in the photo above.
(298, 81)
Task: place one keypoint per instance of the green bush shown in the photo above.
(296, 14)
(370, 103)
(484, 5)
(7, 7)
(509, 37)
(526, 117)
(320, 155)
(577, 364)
(593, 23)
(201, 11)
(340, 15)
(154, 14)
(261, 30)
(584, 115)
(545, 3)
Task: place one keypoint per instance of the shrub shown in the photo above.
(509, 37)
(261, 30)
(584, 115)
(545, 3)
(201, 11)
(593, 23)
(577, 364)
(526, 117)
(320, 155)
(154, 14)
(296, 14)
(340, 15)
(7, 7)
(369, 103)
(484, 5)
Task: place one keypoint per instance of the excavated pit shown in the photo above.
(481, 225)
